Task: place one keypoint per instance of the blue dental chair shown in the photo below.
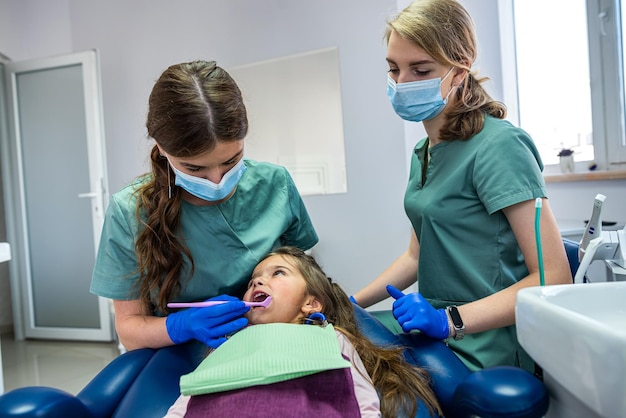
(144, 383)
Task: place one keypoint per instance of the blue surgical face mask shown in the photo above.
(417, 101)
(206, 189)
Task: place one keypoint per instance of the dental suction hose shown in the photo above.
(542, 280)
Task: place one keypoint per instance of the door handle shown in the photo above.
(89, 195)
(602, 17)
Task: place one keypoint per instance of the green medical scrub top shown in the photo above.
(467, 248)
(226, 240)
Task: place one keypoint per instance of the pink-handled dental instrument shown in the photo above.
(264, 303)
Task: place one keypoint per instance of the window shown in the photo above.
(570, 78)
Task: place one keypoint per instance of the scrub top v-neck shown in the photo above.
(454, 200)
(226, 240)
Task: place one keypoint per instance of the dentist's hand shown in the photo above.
(210, 324)
(413, 312)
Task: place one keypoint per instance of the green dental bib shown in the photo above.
(265, 354)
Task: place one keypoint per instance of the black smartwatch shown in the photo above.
(457, 322)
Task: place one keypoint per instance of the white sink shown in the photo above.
(577, 334)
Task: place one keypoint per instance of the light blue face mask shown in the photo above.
(417, 101)
(206, 189)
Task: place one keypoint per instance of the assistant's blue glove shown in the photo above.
(413, 312)
(210, 324)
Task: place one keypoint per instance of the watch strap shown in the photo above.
(457, 322)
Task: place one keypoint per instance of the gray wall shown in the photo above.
(361, 231)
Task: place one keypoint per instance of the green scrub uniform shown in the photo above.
(226, 240)
(467, 248)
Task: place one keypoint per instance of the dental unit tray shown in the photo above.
(597, 244)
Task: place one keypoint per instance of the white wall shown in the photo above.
(34, 28)
(361, 231)
(574, 201)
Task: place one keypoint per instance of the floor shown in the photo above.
(65, 365)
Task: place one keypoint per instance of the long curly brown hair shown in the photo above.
(192, 106)
(398, 383)
(445, 30)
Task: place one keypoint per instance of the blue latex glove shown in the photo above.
(210, 324)
(413, 312)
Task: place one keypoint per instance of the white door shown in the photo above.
(53, 166)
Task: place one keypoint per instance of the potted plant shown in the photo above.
(566, 160)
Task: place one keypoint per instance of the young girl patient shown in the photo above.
(384, 384)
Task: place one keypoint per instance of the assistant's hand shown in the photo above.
(210, 324)
(413, 312)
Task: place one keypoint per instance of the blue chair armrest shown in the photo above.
(42, 402)
(446, 370)
(104, 392)
(159, 381)
(501, 391)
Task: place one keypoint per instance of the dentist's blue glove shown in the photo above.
(210, 324)
(413, 312)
